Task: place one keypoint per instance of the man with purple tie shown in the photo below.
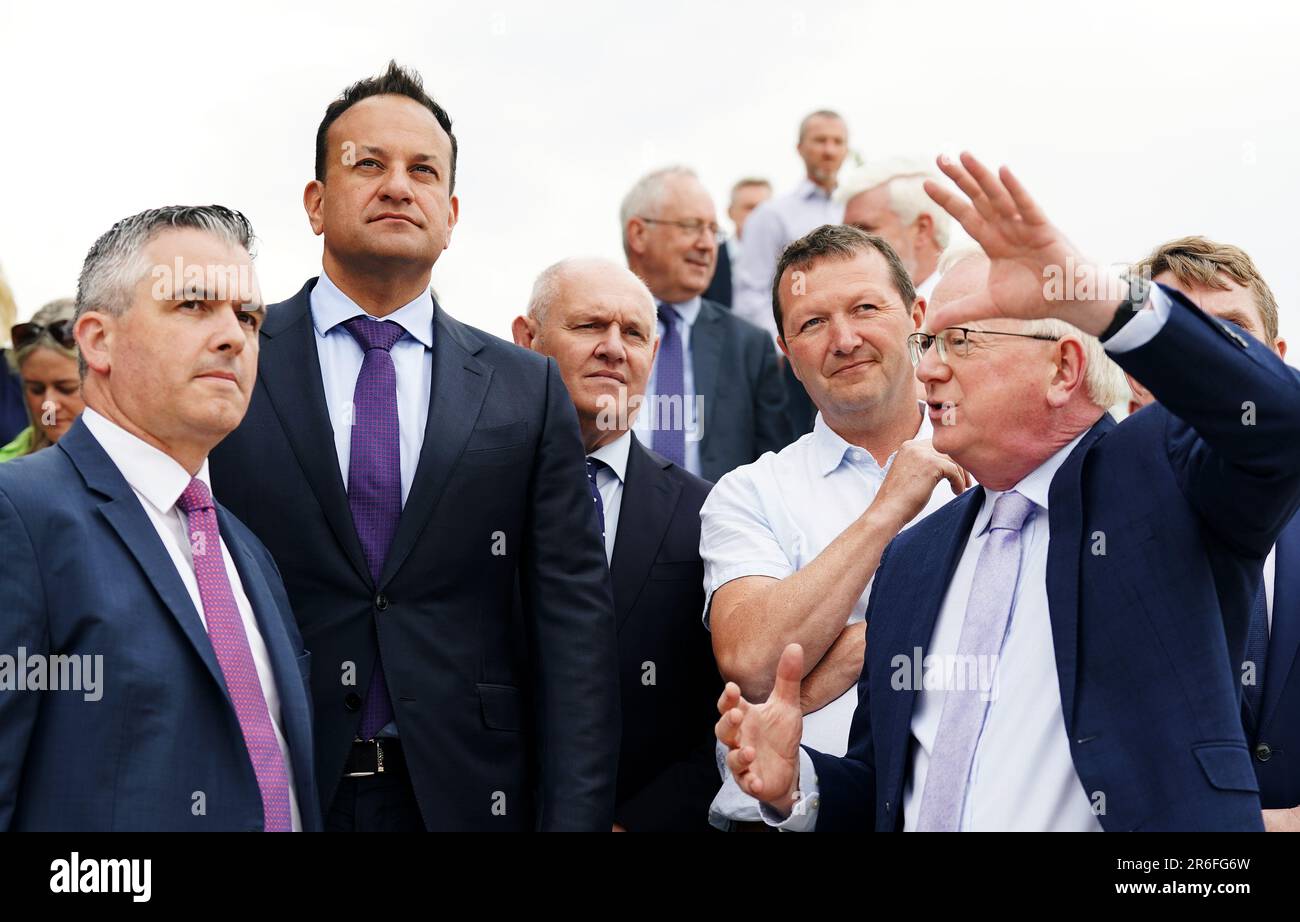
(160, 678)
(421, 485)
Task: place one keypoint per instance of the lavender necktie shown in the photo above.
(230, 644)
(375, 477)
(987, 613)
(669, 436)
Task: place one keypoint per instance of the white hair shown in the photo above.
(1103, 379)
(647, 192)
(550, 284)
(907, 198)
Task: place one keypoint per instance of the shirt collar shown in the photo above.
(614, 454)
(330, 307)
(808, 189)
(152, 473)
(829, 447)
(687, 310)
(1034, 486)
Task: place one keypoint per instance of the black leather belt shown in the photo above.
(374, 757)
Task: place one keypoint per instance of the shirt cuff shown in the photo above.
(1144, 326)
(803, 813)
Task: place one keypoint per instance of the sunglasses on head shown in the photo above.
(24, 334)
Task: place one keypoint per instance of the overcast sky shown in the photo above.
(1132, 122)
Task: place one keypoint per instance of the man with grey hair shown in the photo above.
(117, 552)
(714, 400)
(887, 198)
(1057, 649)
(597, 321)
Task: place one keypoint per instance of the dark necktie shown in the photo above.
(375, 477)
(593, 466)
(235, 657)
(669, 418)
(1257, 651)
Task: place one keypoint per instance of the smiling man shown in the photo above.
(115, 548)
(421, 485)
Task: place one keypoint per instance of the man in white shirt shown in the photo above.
(116, 551)
(790, 543)
(1105, 695)
(887, 198)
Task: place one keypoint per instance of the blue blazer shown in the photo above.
(1148, 637)
(85, 573)
(493, 609)
(1275, 739)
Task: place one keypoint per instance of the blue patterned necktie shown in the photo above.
(375, 477)
(1257, 650)
(669, 436)
(593, 466)
(987, 612)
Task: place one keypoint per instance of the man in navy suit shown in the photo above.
(1056, 649)
(597, 320)
(116, 554)
(1222, 280)
(421, 486)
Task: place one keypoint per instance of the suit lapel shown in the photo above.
(1065, 525)
(289, 369)
(649, 500)
(1284, 639)
(127, 517)
(706, 358)
(459, 385)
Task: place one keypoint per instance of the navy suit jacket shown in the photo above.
(1275, 740)
(667, 772)
(493, 609)
(1149, 636)
(85, 573)
(736, 373)
(719, 290)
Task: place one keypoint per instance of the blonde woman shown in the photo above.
(44, 356)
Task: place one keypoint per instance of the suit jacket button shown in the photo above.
(352, 701)
(381, 602)
(1263, 752)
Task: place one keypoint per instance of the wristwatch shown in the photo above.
(1139, 288)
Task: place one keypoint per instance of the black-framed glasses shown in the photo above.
(957, 341)
(24, 334)
(694, 227)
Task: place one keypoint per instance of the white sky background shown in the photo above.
(1132, 122)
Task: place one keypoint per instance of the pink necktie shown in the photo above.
(230, 643)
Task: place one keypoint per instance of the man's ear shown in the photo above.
(918, 312)
(634, 235)
(313, 202)
(1070, 366)
(1280, 346)
(453, 215)
(94, 332)
(524, 331)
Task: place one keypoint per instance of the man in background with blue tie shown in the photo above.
(1057, 648)
(421, 486)
(117, 555)
(1222, 280)
(715, 399)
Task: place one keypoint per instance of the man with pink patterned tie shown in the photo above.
(151, 674)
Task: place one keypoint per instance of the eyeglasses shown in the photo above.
(694, 227)
(24, 334)
(957, 341)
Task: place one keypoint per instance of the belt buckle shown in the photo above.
(379, 760)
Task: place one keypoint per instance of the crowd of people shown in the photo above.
(823, 525)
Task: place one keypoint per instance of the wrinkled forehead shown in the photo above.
(188, 264)
(608, 295)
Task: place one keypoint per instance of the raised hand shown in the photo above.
(1026, 252)
(762, 740)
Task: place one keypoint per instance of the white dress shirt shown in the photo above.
(1022, 774)
(158, 481)
(689, 312)
(340, 365)
(773, 518)
(773, 226)
(925, 288)
(609, 483)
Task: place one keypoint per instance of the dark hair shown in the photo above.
(837, 241)
(397, 81)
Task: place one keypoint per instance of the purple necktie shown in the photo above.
(375, 477)
(230, 643)
(982, 632)
(669, 435)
